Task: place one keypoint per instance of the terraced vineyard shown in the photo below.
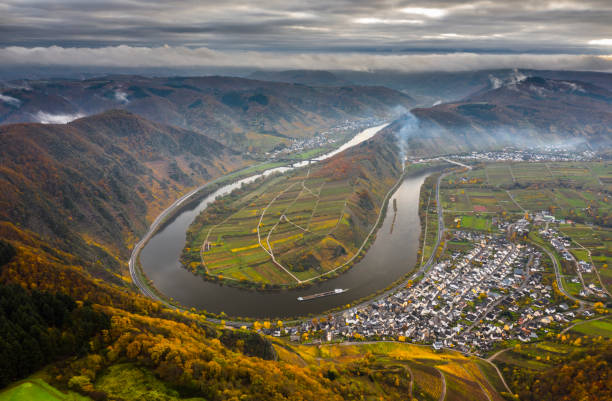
(294, 228)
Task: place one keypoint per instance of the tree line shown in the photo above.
(38, 328)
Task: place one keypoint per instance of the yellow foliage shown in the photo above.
(245, 248)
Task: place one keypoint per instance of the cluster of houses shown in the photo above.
(323, 139)
(469, 301)
(533, 155)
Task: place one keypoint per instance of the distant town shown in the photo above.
(537, 154)
(323, 139)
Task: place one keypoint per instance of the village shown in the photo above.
(322, 139)
(548, 154)
(468, 301)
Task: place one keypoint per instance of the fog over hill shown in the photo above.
(269, 145)
(519, 111)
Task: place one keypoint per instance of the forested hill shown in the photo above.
(239, 112)
(91, 187)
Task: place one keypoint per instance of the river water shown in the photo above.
(391, 255)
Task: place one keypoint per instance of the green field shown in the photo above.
(37, 390)
(429, 214)
(578, 190)
(593, 245)
(602, 327)
(475, 222)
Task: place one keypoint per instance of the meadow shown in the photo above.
(594, 328)
(36, 389)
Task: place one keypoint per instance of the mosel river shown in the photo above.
(393, 254)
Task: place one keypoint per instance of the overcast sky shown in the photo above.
(361, 34)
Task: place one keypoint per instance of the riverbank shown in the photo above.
(380, 253)
(390, 258)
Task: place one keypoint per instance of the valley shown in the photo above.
(159, 258)
(305, 201)
(467, 270)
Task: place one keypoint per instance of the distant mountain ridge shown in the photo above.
(304, 77)
(429, 87)
(235, 111)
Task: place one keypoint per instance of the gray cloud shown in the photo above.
(195, 28)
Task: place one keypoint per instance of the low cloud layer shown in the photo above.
(181, 56)
(10, 100)
(49, 118)
(121, 97)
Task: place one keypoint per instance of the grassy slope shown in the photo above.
(353, 372)
(129, 381)
(35, 389)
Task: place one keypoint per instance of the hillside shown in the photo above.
(294, 228)
(526, 113)
(91, 187)
(241, 113)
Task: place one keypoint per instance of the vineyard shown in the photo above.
(291, 229)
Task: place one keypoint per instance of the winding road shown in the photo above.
(557, 269)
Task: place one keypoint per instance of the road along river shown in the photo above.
(391, 255)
